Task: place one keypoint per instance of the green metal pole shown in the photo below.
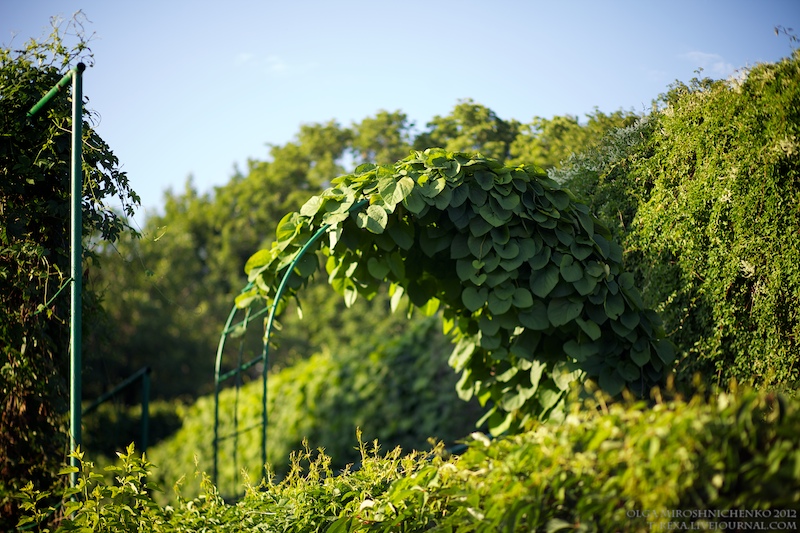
(76, 267)
(63, 82)
(270, 323)
(217, 388)
(127, 382)
(145, 410)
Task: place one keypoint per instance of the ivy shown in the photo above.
(528, 280)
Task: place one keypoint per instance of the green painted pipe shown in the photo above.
(62, 83)
(271, 319)
(142, 374)
(264, 357)
(76, 268)
(217, 387)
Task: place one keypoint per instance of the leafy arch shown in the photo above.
(527, 280)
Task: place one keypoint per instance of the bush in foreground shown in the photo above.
(620, 468)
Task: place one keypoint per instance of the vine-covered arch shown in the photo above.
(528, 282)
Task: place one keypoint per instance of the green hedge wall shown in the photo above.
(704, 193)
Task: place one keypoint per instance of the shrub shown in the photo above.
(618, 468)
(704, 195)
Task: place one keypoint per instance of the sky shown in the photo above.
(197, 88)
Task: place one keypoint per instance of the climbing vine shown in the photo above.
(527, 280)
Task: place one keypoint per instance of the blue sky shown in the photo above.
(197, 88)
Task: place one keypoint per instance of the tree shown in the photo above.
(550, 142)
(470, 127)
(384, 138)
(34, 251)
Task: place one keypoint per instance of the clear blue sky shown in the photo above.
(197, 88)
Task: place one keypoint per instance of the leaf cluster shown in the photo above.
(529, 281)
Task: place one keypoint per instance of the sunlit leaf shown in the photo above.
(374, 219)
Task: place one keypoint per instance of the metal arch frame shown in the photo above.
(230, 327)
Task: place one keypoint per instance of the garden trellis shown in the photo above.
(528, 283)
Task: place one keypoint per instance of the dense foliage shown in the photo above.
(528, 280)
(703, 194)
(400, 393)
(34, 248)
(173, 288)
(620, 468)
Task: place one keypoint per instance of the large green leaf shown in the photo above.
(307, 265)
(665, 351)
(509, 250)
(492, 216)
(415, 201)
(479, 227)
(402, 233)
(560, 199)
(544, 281)
(536, 317)
(259, 259)
(522, 298)
(571, 271)
(461, 354)
(541, 259)
(474, 298)
(288, 227)
(378, 268)
(590, 328)
(484, 179)
(312, 206)
(374, 219)
(537, 371)
(614, 305)
(561, 311)
(465, 269)
(393, 192)
(497, 305)
(479, 246)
